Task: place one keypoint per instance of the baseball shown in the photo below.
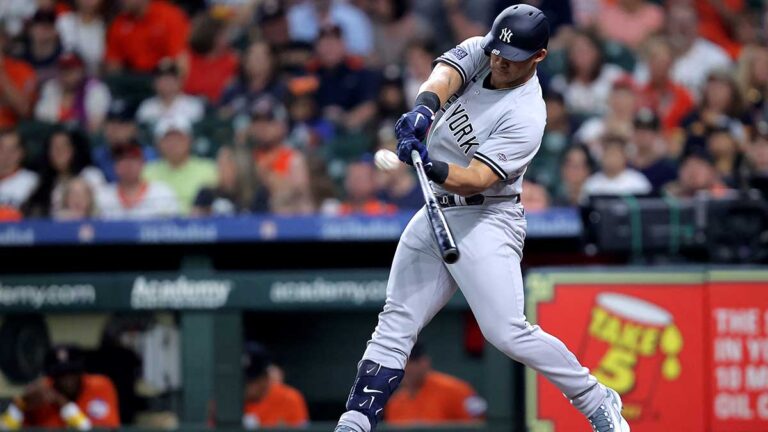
(386, 160)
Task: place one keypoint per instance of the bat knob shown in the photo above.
(450, 256)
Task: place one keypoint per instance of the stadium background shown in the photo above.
(286, 242)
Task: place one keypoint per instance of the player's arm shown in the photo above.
(471, 180)
(444, 81)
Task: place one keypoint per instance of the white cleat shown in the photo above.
(608, 417)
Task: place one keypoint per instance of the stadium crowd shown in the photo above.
(153, 108)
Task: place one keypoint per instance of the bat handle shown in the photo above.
(416, 157)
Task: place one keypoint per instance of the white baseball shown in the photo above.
(386, 160)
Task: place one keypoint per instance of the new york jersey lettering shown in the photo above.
(461, 127)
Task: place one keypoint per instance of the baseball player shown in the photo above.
(489, 115)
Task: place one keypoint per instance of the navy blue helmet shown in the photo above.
(518, 33)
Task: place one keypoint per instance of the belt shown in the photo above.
(452, 200)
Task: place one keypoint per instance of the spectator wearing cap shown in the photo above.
(145, 32)
(83, 30)
(426, 396)
(234, 191)
(132, 197)
(650, 150)
(169, 99)
(615, 177)
(557, 134)
(347, 92)
(360, 189)
(119, 127)
(588, 79)
(66, 155)
(66, 397)
(43, 48)
(671, 101)
(257, 78)
(721, 107)
(696, 175)
(77, 201)
(394, 26)
(306, 18)
(212, 64)
(72, 97)
(281, 170)
(178, 168)
(268, 401)
(622, 106)
(18, 83)
(576, 166)
(16, 183)
(391, 99)
(630, 22)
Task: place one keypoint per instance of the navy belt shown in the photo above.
(452, 200)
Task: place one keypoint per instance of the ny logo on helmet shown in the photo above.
(506, 35)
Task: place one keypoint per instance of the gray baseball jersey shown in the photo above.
(500, 128)
(503, 129)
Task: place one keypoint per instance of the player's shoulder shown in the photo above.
(470, 45)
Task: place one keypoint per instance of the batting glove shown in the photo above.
(406, 145)
(414, 123)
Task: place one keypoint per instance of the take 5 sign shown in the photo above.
(682, 348)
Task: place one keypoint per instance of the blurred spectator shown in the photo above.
(184, 173)
(630, 22)
(14, 13)
(426, 396)
(66, 155)
(268, 401)
(557, 134)
(66, 397)
(721, 107)
(132, 197)
(145, 32)
(649, 153)
(669, 100)
(257, 79)
(307, 17)
(535, 197)
(695, 57)
(169, 100)
(290, 56)
(84, 31)
(696, 174)
(622, 105)
(77, 201)
(717, 19)
(394, 26)
(758, 156)
(347, 92)
(120, 127)
(280, 169)
(615, 177)
(726, 155)
(399, 186)
(309, 130)
(419, 57)
(72, 97)
(232, 194)
(212, 63)
(42, 48)
(17, 87)
(391, 100)
(752, 76)
(456, 20)
(588, 79)
(360, 188)
(576, 167)
(16, 183)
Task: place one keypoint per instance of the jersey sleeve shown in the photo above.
(467, 57)
(509, 149)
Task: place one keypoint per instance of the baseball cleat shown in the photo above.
(608, 417)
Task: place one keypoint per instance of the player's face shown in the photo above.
(506, 73)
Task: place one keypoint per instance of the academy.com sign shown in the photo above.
(322, 290)
(179, 293)
(38, 296)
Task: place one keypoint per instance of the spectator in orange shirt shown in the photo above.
(145, 32)
(212, 63)
(66, 397)
(428, 397)
(361, 189)
(269, 402)
(17, 87)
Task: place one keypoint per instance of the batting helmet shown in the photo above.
(518, 33)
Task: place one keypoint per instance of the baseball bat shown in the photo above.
(440, 228)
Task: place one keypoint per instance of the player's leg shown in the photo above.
(490, 278)
(418, 287)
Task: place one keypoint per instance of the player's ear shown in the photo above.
(541, 55)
